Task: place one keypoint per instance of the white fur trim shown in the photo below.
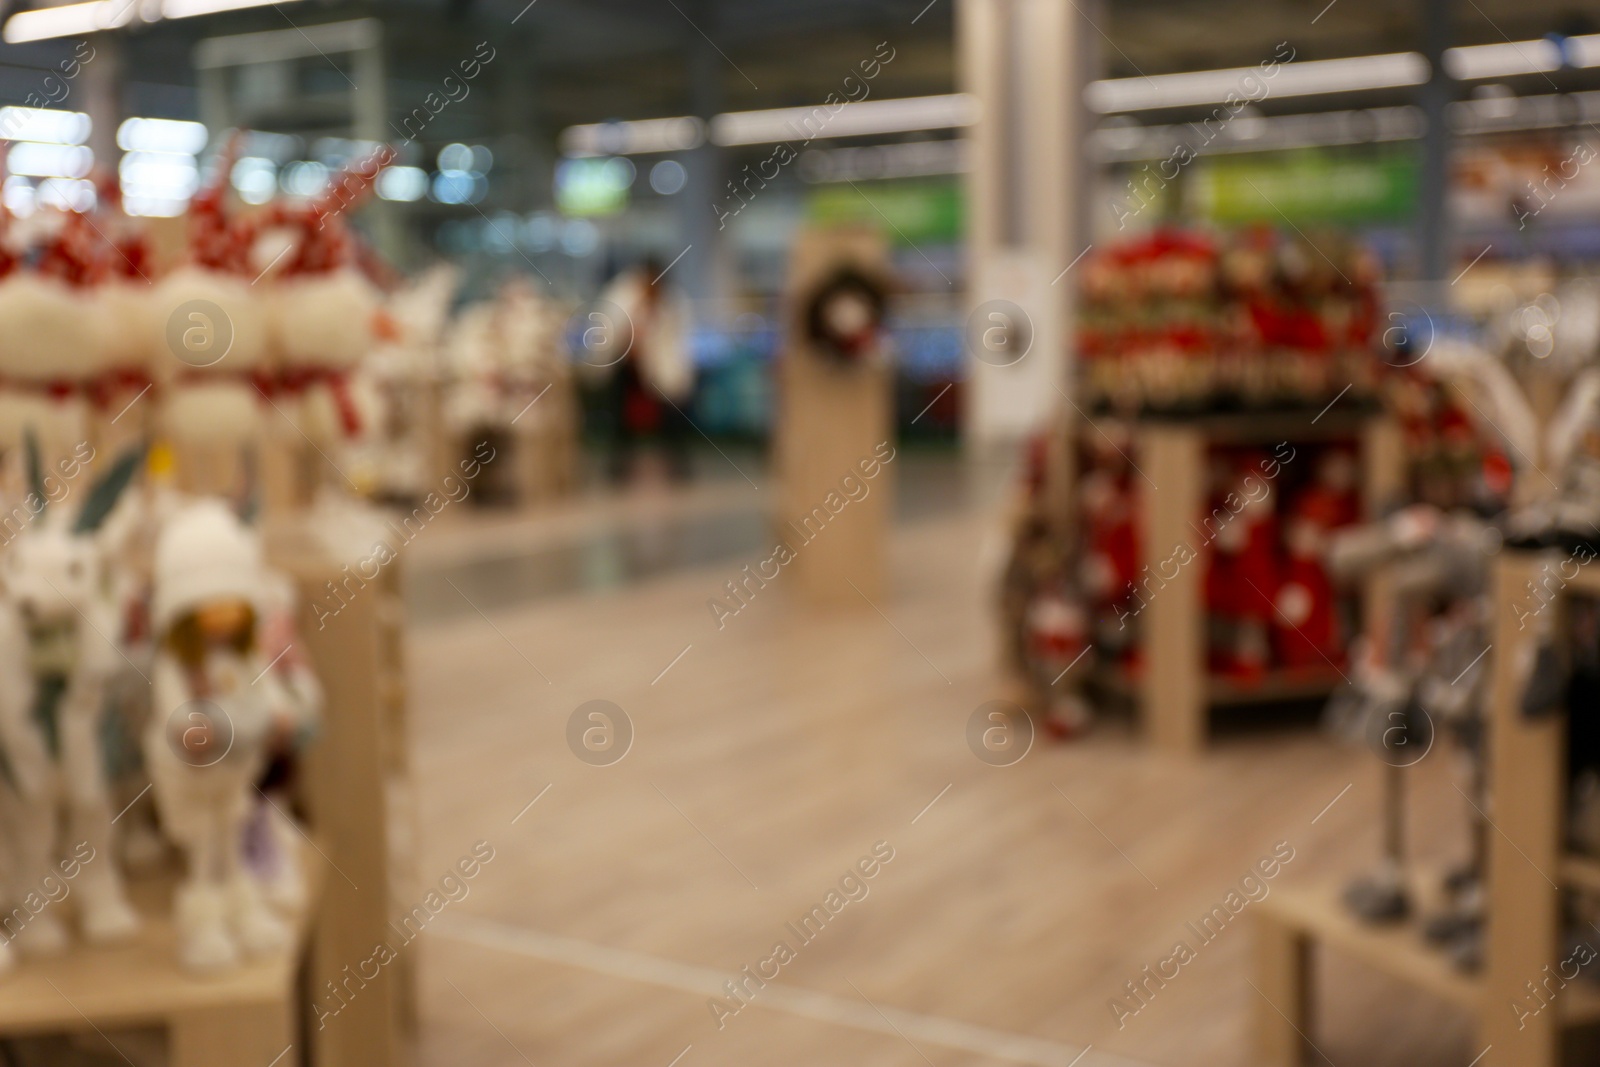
(51, 331)
(324, 320)
(244, 307)
(130, 340)
(220, 412)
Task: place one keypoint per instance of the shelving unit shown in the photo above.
(1528, 870)
(1174, 690)
(247, 1016)
(356, 795)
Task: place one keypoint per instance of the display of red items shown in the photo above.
(1271, 606)
(1180, 321)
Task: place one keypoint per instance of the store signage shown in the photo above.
(1306, 187)
(915, 211)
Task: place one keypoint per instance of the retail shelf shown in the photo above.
(1396, 949)
(140, 983)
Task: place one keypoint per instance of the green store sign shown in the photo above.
(1305, 187)
(916, 211)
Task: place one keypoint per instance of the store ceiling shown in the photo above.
(572, 61)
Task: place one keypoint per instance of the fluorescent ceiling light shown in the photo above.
(1504, 60)
(68, 20)
(49, 160)
(1583, 51)
(863, 118)
(162, 135)
(182, 9)
(1305, 78)
(81, 19)
(43, 124)
(633, 138)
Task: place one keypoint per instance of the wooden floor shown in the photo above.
(772, 756)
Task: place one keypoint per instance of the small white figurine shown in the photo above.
(220, 709)
(59, 620)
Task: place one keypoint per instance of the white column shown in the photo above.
(1021, 59)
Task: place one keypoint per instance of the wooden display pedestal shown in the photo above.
(248, 1016)
(831, 417)
(1529, 867)
(1175, 692)
(346, 791)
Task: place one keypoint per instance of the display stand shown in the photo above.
(832, 416)
(1175, 691)
(353, 791)
(544, 445)
(354, 771)
(1528, 867)
(247, 1016)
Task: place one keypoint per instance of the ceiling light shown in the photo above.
(1504, 60)
(68, 20)
(182, 9)
(863, 118)
(49, 160)
(43, 124)
(402, 183)
(162, 135)
(1303, 78)
(633, 138)
(94, 16)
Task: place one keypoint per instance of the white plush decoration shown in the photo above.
(130, 342)
(324, 320)
(222, 412)
(242, 304)
(205, 556)
(52, 331)
(57, 624)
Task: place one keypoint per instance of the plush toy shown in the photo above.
(1057, 637)
(326, 309)
(208, 324)
(58, 626)
(220, 711)
(1305, 624)
(55, 333)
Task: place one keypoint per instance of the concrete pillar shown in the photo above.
(1022, 61)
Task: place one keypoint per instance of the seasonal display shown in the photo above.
(210, 322)
(1190, 322)
(222, 708)
(59, 622)
(507, 378)
(325, 313)
(844, 317)
(55, 353)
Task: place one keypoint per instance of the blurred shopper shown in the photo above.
(651, 386)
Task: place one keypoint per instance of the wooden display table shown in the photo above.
(1175, 692)
(248, 1016)
(1529, 869)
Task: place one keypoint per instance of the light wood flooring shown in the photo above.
(772, 756)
